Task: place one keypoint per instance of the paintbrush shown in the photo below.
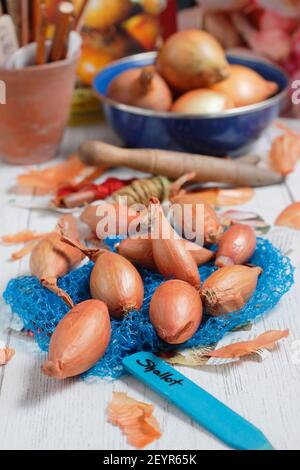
(36, 19)
(58, 51)
(41, 29)
(24, 23)
(77, 24)
(202, 407)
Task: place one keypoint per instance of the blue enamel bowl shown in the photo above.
(229, 133)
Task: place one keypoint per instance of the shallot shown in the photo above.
(51, 258)
(229, 289)
(169, 252)
(192, 59)
(141, 87)
(176, 311)
(114, 280)
(79, 340)
(236, 246)
(245, 86)
(290, 216)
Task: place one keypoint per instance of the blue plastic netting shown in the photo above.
(41, 310)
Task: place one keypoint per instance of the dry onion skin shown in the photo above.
(6, 355)
(229, 289)
(192, 59)
(202, 101)
(169, 251)
(176, 311)
(142, 88)
(290, 217)
(79, 340)
(245, 86)
(51, 258)
(236, 246)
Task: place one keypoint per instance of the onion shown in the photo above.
(175, 311)
(109, 219)
(229, 289)
(114, 280)
(202, 101)
(192, 59)
(141, 87)
(79, 340)
(236, 246)
(244, 86)
(139, 251)
(169, 252)
(290, 217)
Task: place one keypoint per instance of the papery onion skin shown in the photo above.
(229, 289)
(245, 86)
(236, 246)
(169, 252)
(290, 217)
(176, 311)
(192, 59)
(115, 281)
(139, 251)
(202, 101)
(141, 87)
(79, 340)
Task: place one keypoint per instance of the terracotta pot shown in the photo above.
(38, 101)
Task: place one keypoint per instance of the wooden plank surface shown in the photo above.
(40, 413)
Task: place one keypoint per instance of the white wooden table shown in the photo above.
(40, 413)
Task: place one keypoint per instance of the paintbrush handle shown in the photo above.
(59, 46)
(175, 164)
(202, 407)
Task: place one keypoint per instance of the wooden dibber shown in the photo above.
(175, 164)
(59, 46)
(41, 37)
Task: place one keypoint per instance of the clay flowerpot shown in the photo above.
(38, 100)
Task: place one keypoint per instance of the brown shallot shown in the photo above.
(236, 246)
(229, 289)
(51, 258)
(202, 101)
(114, 280)
(6, 354)
(139, 251)
(108, 219)
(169, 251)
(79, 340)
(176, 311)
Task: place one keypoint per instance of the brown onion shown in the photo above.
(169, 252)
(236, 246)
(245, 86)
(202, 101)
(176, 311)
(120, 216)
(229, 289)
(192, 59)
(290, 216)
(139, 251)
(79, 340)
(141, 87)
(51, 258)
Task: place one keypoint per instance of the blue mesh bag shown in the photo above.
(41, 310)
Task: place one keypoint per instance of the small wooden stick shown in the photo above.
(24, 16)
(79, 18)
(175, 164)
(36, 19)
(59, 46)
(41, 37)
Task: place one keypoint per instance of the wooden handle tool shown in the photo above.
(77, 24)
(25, 29)
(175, 164)
(59, 46)
(41, 37)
